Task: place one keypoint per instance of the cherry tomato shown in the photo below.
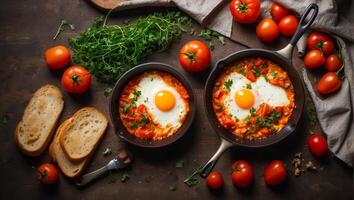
(76, 79)
(329, 83)
(287, 26)
(242, 174)
(320, 41)
(194, 56)
(214, 180)
(314, 59)
(278, 11)
(245, 11)
(274, 173)
(267, 30)
(333, 63)
(317, 145)
(47, 173)
(57, 57)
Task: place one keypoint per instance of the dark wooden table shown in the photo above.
(26, 30)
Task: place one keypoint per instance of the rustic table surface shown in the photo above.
(26, 31)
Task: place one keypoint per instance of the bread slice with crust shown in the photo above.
(82, 134)
(38, 122)
(69, 168)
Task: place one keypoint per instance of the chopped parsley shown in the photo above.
(125, 177)
(228, 84)
(247, 120)
(192, 180)
(126, 108)
(107, 152)
(287, 85)
(256, 71)
(172, 187)
(220, 108)
(133, 125)
(146, 100)
(265, 77)
(253, 111)
(236, 119)
(273, 73)
(107, 91)
(249, 86)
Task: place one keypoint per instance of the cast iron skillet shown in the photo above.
(114, 112)
(283, 59)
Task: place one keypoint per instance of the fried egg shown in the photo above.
(245, 95)
(163, 102)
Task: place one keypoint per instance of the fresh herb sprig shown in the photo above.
(228, 84)
(110, 50)
(208, 35)
(192, 180)
(64, 23)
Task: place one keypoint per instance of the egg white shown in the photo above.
(149, 86)
(271, 94)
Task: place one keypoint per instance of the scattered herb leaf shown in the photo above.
(107, 152)
(125, 177)
(192, 180)
(228, 84)
(63, 23)
(180, 164)
(249, 86)
(172, 187)
(107, 91)
(5, 119)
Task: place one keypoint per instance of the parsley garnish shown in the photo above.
(253, 111)
(133, 125)
(107, 91)
(273, 73)
(192, 180)
(125, 178)
(287, 85)
(220, 108)
(62, 24)
(107, 152)
(172, 187)
(228, 84)
(256, 71)
(249, 86)
(247, 120)
(265, 77)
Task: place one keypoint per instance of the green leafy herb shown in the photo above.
(125, 177)
(247, 120)
(107, 91)
(180, 164)
(63, 23)
(253, 111)
(287, 85)
(265, 77)
(228, 84)
(220, 108)
(311, 113)
(110, 50)
(221, 39)
(256, 71)
(208, 35)
(249, 86)
(274, 116)
(133, 125)
(5, 119)
(146, 100)
(192, 180)
(273, 73)
(172, 187)
(236, 119)
(126, 108)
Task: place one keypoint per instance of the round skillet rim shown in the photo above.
(118, 126)
(294, 77)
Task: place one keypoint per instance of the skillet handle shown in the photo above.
(300, 30)
(303, 26)
(211, 163)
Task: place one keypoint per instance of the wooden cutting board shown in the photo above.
(107, 5)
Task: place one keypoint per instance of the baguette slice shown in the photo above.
(80, 137)
(69, 168)
(37, 126)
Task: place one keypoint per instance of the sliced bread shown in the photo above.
(69, 168)
(82, 134)
(38, 122)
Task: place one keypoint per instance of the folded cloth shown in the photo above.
(336, 111)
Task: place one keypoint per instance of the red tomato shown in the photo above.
(57, 57)
(76, 79)
(317, 145)
(320, 41)
(194, 56)
(278, 11)
(274, 173)
(287, 26)
(47, 173)
(245, 11)
(242, 174)
(333, 63)
(214, 180)
(329, 83)
(267, 30)
(314, 59)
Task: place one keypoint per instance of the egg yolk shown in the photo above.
(244, 98)
(165, 100)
